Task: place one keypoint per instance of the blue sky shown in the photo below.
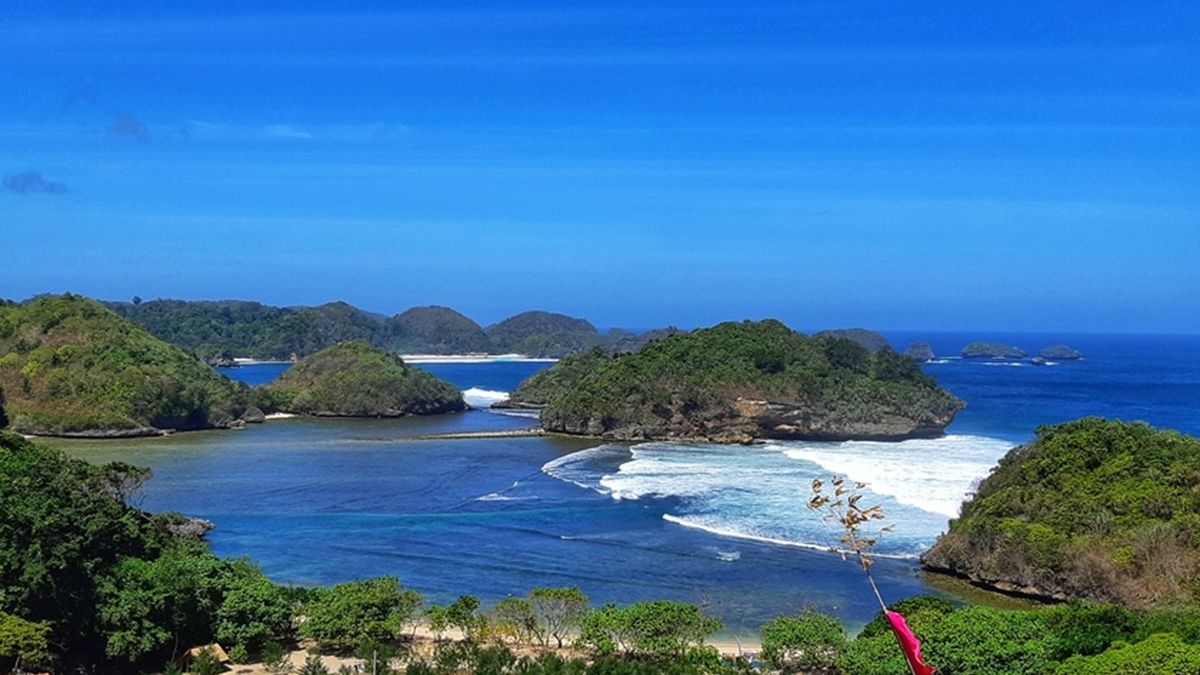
(922, 165)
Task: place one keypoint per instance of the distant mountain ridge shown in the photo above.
(223, 329)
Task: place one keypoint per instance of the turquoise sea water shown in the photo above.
(321, 501)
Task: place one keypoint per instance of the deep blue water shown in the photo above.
(320, 501)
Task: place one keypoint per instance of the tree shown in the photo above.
(514, 618)
(148, 607)
(557, 611)
(462, 615)
(661, 628)
(809, 642)
(3, 415)
(254, 611)
(341, 617)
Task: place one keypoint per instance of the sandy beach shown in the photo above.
(425, 641)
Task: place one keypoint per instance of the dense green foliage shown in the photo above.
(3, 414)
(236, 328)
(23, 643)
(543, 334)
(358, 380)
(233, 328)
(659, 628)
(345, 615)
(1071, 638)
(1090, 509)
(68, 365)
(434, 330)
(872, 341)
(546, 385)
(110, 582)
(684, 381)
(808, 642)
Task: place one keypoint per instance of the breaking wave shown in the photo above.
(760, 492)
(483, 398)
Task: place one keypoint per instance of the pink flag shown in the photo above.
(909, 644)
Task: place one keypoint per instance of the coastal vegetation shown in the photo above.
(88, 581)
(739, 381)
(69, 366)
(1096, 509)
(356, 379)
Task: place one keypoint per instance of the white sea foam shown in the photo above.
(1011, 364)
(483, 398)
(933, 475)
(760, 492)
(580, 467)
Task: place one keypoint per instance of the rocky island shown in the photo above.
(921, 352)
(71, 367)
(992, 350)
(356, 379)
(1060, 353)
(736, 382)
(1092, 509)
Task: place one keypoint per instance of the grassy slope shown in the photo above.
(68, 365)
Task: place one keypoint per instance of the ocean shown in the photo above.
(318, 501)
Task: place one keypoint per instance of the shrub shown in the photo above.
(804, 643)
(1087, 627)
(313, 666)
(23, 643)
(206, 663)
(1159, 654)
(239, 654)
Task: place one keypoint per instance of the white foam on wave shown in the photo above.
(933, 475)
(483, 398)
(579, 467)
(760, 493)
(1011, 364)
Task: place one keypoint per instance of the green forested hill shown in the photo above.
(69, 366)
(230, 328)
(1094, 508)
(738, 381)
(545, 334)
(433, 330)
(355, 379)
